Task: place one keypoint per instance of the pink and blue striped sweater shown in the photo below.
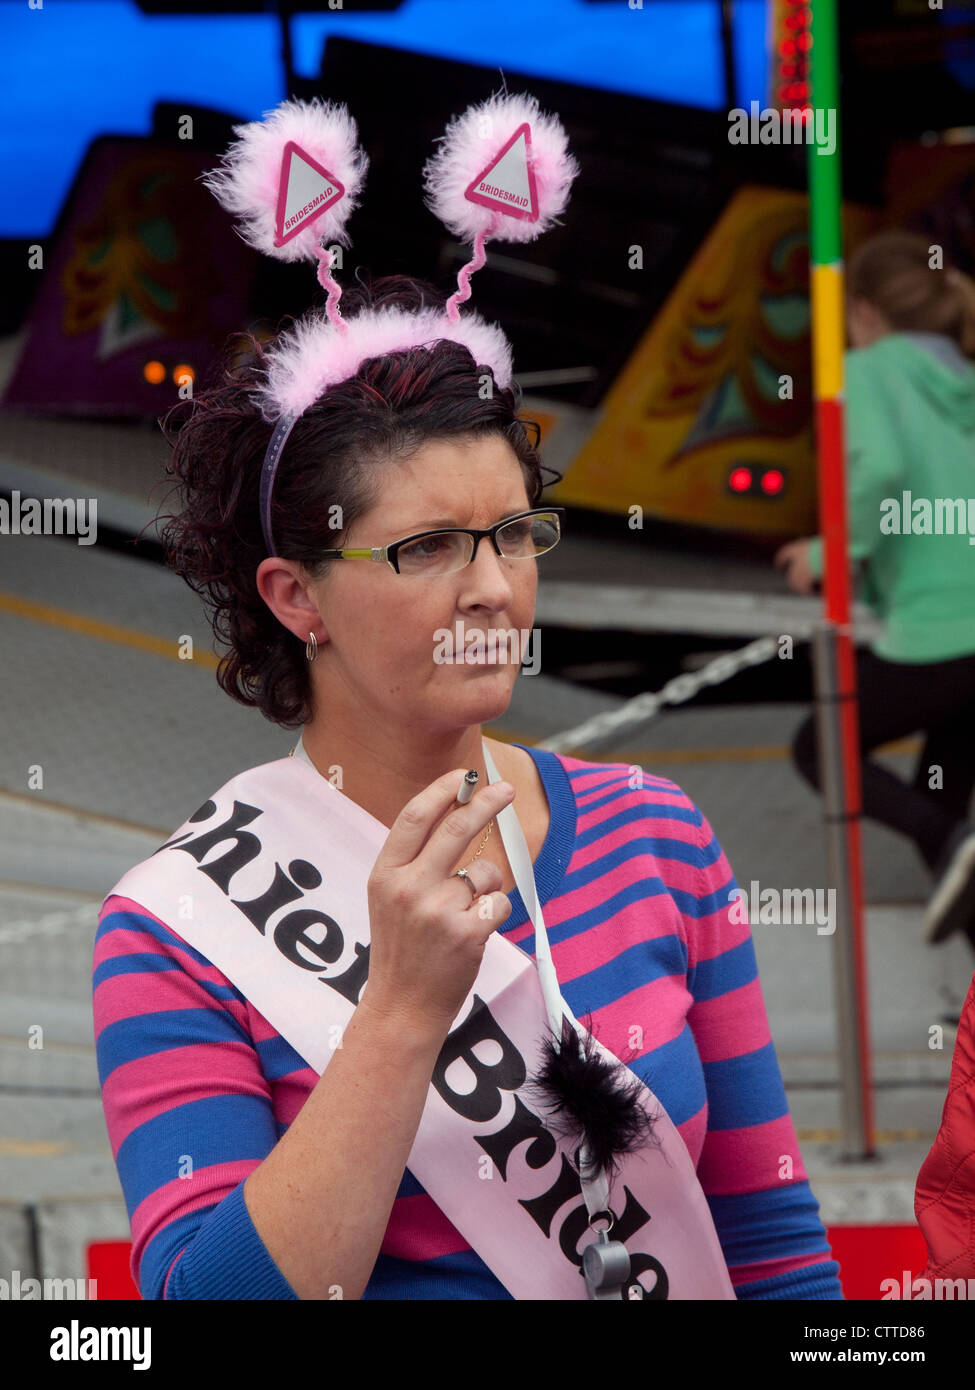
(636, 893)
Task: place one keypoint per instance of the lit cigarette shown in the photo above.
(467, 787)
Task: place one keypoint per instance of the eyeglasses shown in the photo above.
(521, 537)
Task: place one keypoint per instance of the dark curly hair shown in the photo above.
(391, 407)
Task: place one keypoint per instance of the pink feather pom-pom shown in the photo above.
(472, 142)
(313, 355)
(248, 181)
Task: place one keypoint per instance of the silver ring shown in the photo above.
(599, 1216)
(462, 873)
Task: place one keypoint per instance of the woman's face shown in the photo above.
(385, 630)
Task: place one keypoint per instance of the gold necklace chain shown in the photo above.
(484, 841)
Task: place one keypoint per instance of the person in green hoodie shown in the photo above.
(910, 443)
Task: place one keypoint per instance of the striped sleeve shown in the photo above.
(750, 1167)
(188, 1111)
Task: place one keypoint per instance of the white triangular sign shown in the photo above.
(305, 191)
(508, 184)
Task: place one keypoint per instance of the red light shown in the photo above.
(740, 479)
(772, 482)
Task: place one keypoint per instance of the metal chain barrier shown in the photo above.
(675, 692)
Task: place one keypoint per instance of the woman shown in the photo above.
(910, 436)
(290, 1186)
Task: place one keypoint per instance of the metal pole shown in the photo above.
(836, 672)
(854, 1075)
(283, 8)
(728, 52)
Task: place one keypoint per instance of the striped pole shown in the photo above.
(836, 680)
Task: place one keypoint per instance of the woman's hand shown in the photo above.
(428, 932)
(794, 559)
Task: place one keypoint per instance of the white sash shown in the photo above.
(267, 880)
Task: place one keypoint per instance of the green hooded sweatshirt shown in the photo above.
(910, 458)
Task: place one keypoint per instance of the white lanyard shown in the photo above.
(595, 1189)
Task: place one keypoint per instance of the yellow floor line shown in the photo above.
(114, 822)
(15, 885)
(105, 632)
(658, 757)
(18, 1041)
(32, 1148)
(881, 1136)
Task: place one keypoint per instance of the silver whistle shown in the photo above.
(606, 1267)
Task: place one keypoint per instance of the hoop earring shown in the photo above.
(311, 647)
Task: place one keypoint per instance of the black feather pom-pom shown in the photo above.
(590, 1098)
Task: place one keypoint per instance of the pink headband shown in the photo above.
(502, 172)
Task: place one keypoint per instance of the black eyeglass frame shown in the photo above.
(389, 553)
